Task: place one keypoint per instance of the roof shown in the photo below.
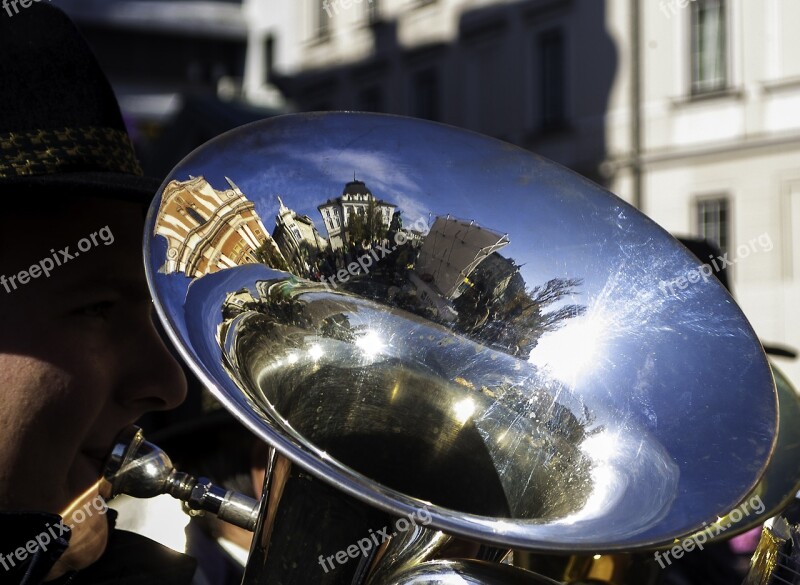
(356, 188)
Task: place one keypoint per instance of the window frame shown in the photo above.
(725, 229)
(544, 122)
(434, 85)
(700, 86)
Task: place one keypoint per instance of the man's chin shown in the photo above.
(87, 544)
(85, 517)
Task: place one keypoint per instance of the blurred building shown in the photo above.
(453, 249)
(537, 74)
(184, 71)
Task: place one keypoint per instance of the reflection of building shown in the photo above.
(452, 250)
(356, 215)
(298, 238)
(209, 230)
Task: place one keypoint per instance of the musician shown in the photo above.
(79, 357)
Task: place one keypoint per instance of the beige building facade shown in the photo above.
(209, 230)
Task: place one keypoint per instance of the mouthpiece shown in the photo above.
(140, 469)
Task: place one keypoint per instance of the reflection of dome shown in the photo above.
(355, 203)
(356, 188)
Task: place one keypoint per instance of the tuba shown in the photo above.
(454, 348)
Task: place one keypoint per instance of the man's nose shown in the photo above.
(155, 380)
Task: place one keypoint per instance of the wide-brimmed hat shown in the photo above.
(61, 131)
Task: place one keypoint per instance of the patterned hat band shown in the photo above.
(48, 152)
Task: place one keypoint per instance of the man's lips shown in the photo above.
(99, 452)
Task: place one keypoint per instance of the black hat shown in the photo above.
(61, 131)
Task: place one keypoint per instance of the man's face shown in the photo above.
(79, 357)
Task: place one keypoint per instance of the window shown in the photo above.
(425, 97)
(713, 221)
(195, 215)
(373, 10)
(709, 46)
(269, 56)
(552, 80)
(324, 11)
(484, 77)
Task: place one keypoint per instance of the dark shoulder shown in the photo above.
(30, 544)
(132, 559)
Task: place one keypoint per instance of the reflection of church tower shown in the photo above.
(298, 239)
(340, 214)
(209, 230)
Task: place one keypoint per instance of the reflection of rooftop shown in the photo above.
(453, 249)
(355, 187)
(356, 190)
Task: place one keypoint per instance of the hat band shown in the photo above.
(47, 152)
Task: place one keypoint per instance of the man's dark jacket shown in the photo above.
(129, 559)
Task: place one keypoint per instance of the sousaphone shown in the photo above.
(455, 347)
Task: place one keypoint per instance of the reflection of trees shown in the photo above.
(536, 398)
(395, 225)
(280, 304)
(366, 227)
(543, 296)
(337, 327)
(511, 316)
(267, 255)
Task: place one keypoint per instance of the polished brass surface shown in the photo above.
(466, 572)
(610, 569)
(473, 332)
(781, 480)
(772, 557)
